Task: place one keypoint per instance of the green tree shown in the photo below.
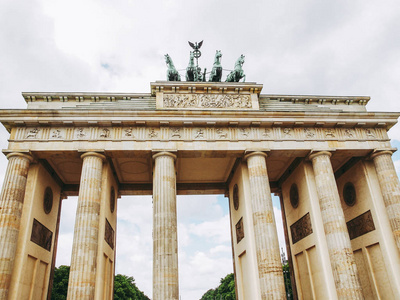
(225, 291)
(288, 282)
(60, 283)
(125, 289)
(124, 286)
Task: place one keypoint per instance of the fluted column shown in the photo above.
(82, 276)
(165, 240)
(390, 187)
(337, 237)
(11, 203)
(267, 245)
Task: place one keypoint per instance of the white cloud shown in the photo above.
(217, 230)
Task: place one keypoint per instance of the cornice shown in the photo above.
(73, 117)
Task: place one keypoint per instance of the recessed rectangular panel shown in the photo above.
(109, 234)
(360, 225)
(41, 235)
(301, 228)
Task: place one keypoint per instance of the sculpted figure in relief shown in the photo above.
(369, 133)
(128, 132)
(152, 133)
(349, 133)
(221, 134)
(105, 133)
(207, 101)
(329, 133)
(199, 134)
(56, 134)
(266, 132)
(244, 131)
(32, 133)
(176, 132)
(81, 133)
(287, 131)
(309, 132)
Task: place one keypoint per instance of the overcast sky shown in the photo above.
(291, 47)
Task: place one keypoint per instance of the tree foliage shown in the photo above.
(225, 291)
(288, 283)
(60, 283)
(125, 289)
(124, 286)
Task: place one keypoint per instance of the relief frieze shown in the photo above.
(207, 101)
(109, 234)
(360, 225)
(239, 231)
(41, 235)
(214, 133)
(301, 228)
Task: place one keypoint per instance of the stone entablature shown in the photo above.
(197, 133)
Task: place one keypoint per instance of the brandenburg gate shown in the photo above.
(327, 158)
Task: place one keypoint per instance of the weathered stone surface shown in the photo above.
(11, 203)
(390, 186)
(165, 238)
(337, 237)
(266, 238)
(82, 277)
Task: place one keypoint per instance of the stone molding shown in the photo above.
(164, 153)
(24, 155)
(381, 152)
(318, 153)
(250, 154)
(197, 133)
(91, 153)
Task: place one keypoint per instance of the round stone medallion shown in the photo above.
(236, 197)
(48, 200)
(112, 199)
(349, 194)
(294, 195)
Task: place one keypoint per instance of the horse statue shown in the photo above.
(172, 73)
(237, 73)
(216, 72)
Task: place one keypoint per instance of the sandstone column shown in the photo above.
(267, 246)
(390, 186)
(165, 240)
(84, 248)
(11, 203)
(337, 237)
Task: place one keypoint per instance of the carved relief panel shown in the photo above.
(203, 133)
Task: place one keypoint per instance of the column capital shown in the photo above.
(254, 153)
(378, 152)
(316, 153)
(91, 153)
(164, 153)
(26, 155)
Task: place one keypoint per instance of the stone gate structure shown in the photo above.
(327, 158)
